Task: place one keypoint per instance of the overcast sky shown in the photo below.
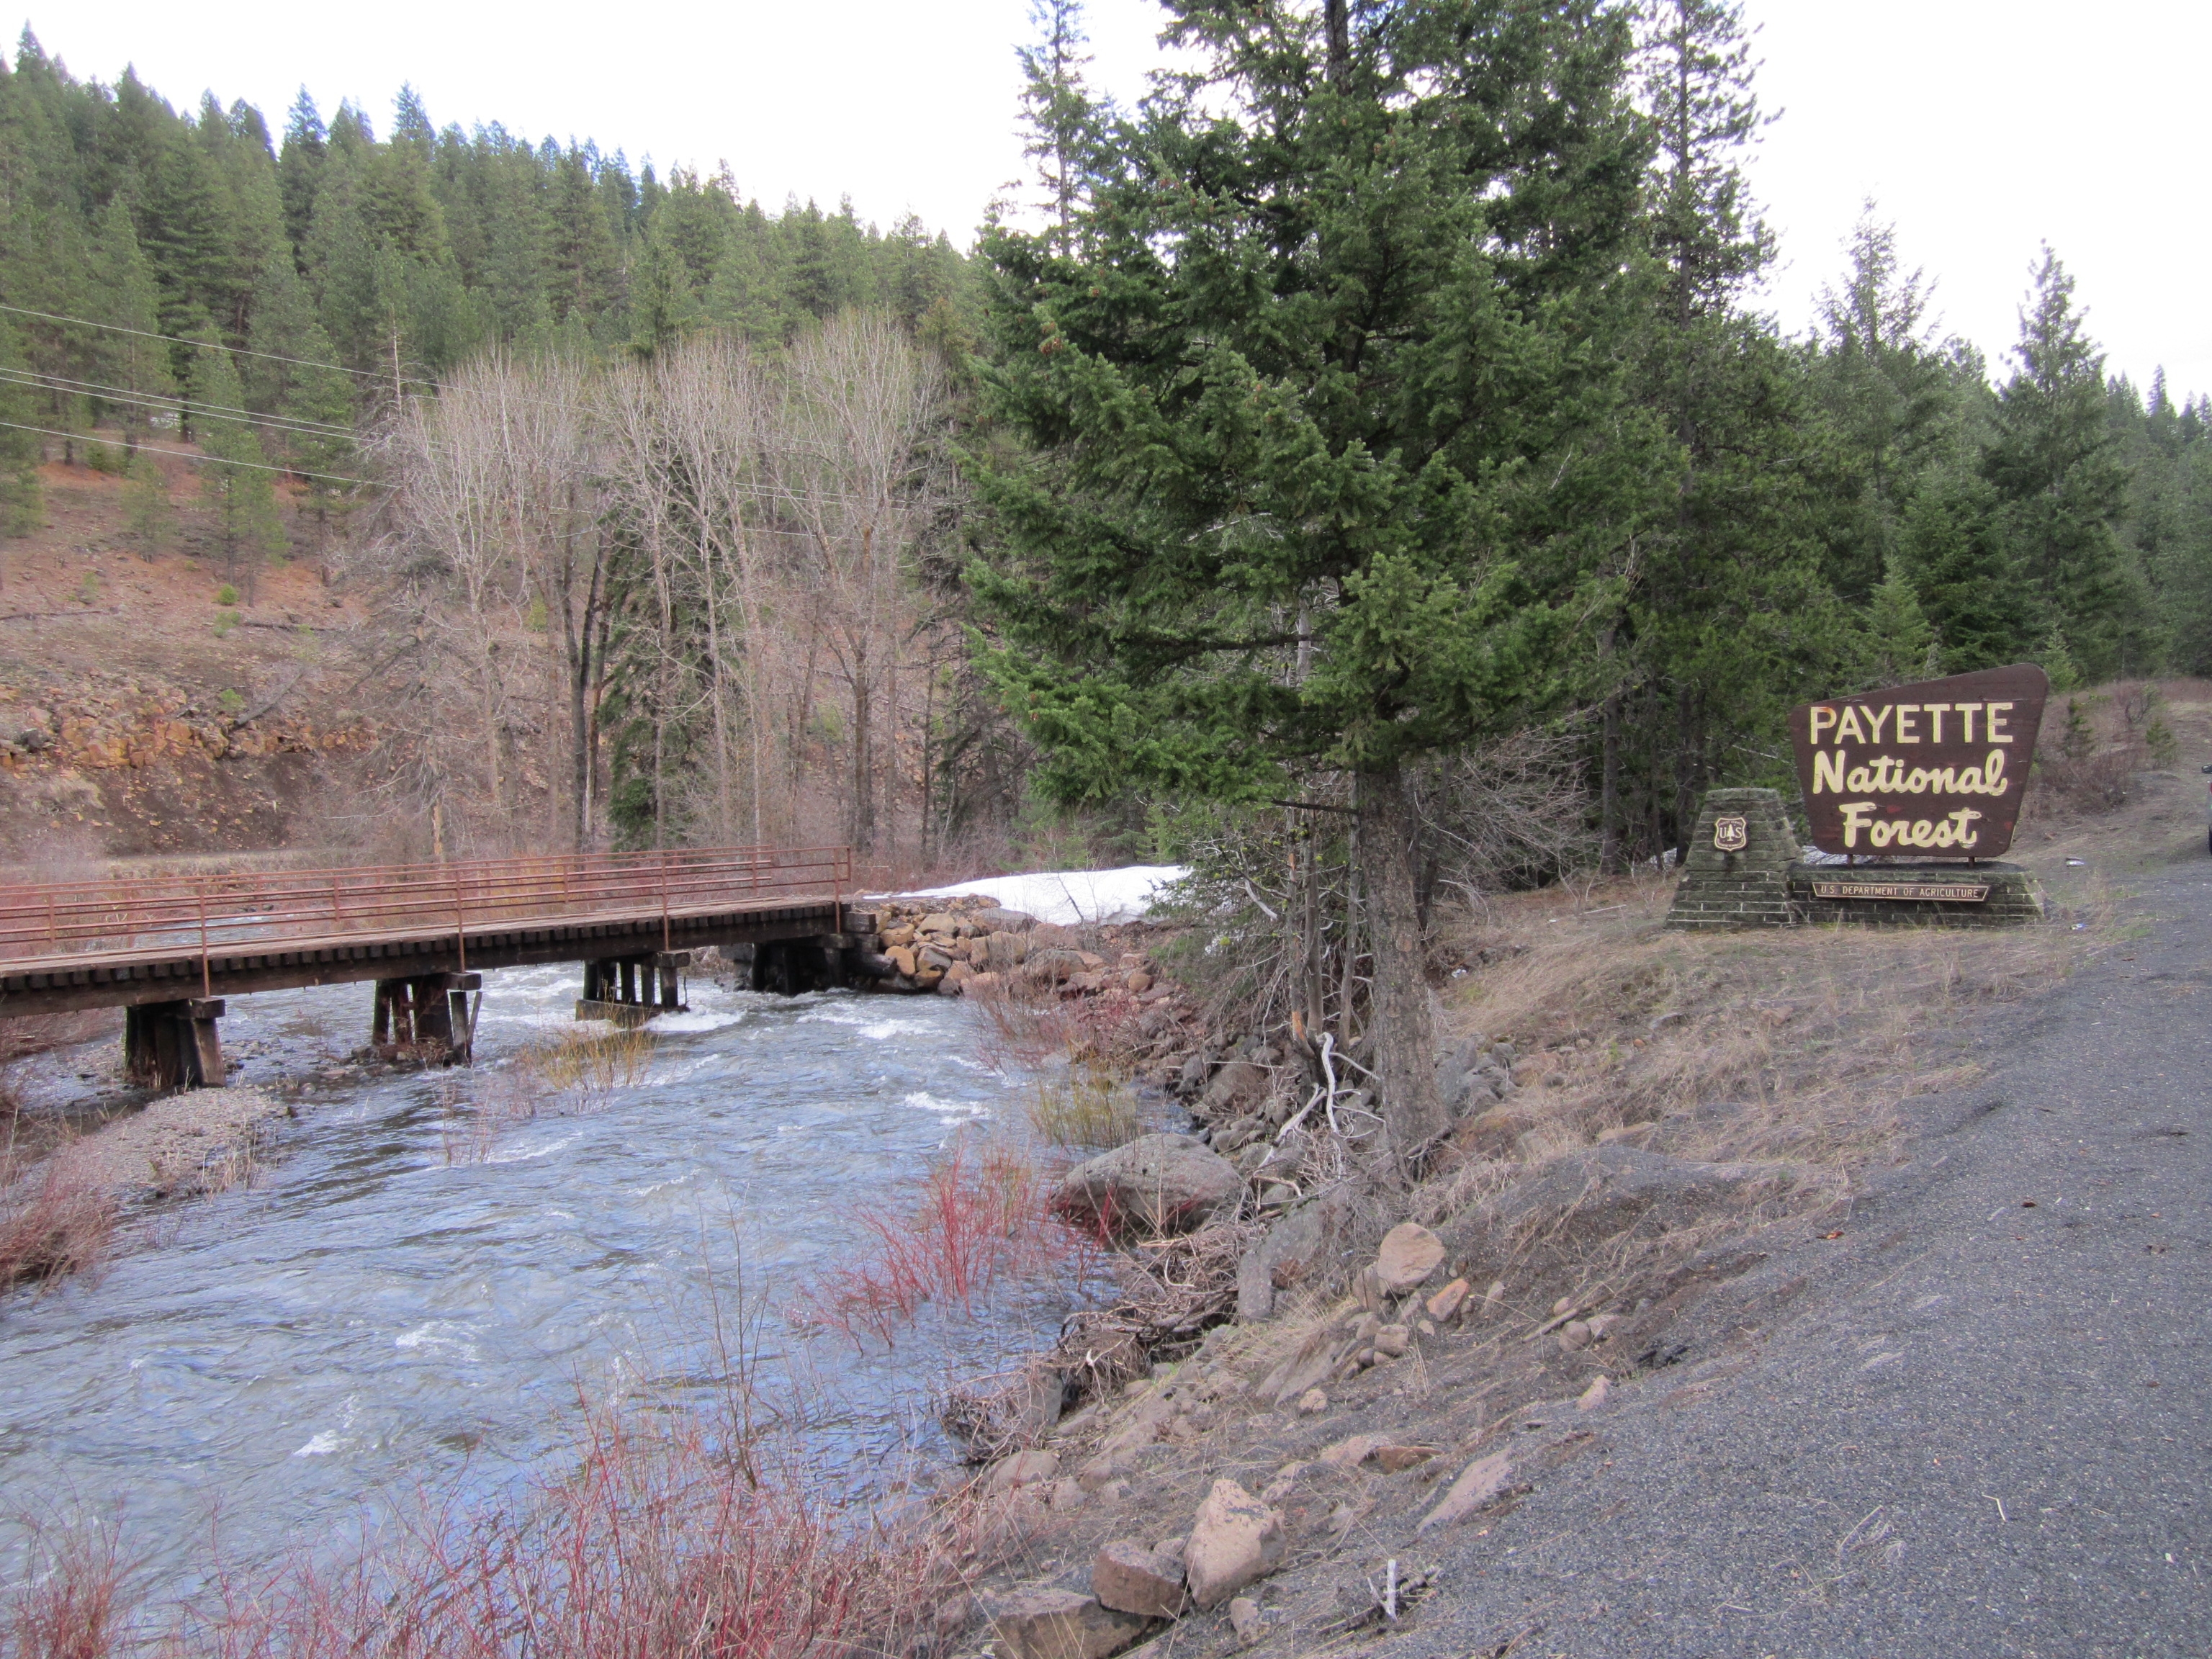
(1983, 128)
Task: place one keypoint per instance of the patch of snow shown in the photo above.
(1068, 897)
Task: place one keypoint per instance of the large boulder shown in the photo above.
(1306, 1247)
(1165, 1183)
(1130, 1577)
(1409, 1255)
(1238, 1087)
(1234, 1540)
(1058, 1624)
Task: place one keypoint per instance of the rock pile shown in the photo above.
(971, 947)
(1234, 1540)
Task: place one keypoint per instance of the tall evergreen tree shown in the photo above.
(1059, 114)
(235, 479)
(22, 506)
(2055, 465)
(1953, 548)
(1333, 434)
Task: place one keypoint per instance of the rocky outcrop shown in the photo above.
(132, 723)
(1307, 1246)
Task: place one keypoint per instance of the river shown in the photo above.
(379, 1315)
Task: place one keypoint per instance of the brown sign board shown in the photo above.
(1934, 770)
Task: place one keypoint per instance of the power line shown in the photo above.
(206, 345)
(153, 400)
(217, 460)
(213, 346)
(116, 393)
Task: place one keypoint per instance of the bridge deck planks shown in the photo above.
(153, 974)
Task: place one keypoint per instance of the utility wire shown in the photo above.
(213, 346)
(367, 374)
(215, 460)
(133, 394)
(378, 376)
(154, 401)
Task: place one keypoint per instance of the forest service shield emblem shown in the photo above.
(1731, 835)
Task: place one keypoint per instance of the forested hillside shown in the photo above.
(672, 515)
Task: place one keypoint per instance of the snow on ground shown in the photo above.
(1068, 897)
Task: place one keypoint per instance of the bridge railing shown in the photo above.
(199, 912)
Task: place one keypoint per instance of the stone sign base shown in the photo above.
(1938, 895)
(1748, 887)
(1743, 871)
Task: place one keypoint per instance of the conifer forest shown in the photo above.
(1381, 414)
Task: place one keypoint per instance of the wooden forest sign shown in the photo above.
(1932, 770)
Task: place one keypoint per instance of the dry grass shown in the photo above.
(54, 1220)
(1806, 1039)
(590, 1065)
(1085, 1107)
(35, 1034)
(1029, 1026)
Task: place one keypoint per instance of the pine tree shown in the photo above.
(2057, 663)
(662, 307)
(22, 506)
(1951, 543)
(300, 166)
(1721, 615)
(1285, 518)
(147, 507)
(1898, 638)
(123, 293)
(1058, 116)
(235, 478)
(2058, 473)
(583, 254)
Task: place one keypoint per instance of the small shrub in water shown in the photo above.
(592, 1064)
(1084, 1106)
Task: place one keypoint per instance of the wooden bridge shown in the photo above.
(167, 949)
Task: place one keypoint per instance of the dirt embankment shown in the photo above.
(155, 702)
(1651, 1120)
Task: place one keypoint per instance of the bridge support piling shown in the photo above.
(630, 990)
(428, 1014)
(791, 966)
(174, 1045)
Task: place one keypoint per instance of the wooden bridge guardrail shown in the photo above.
(197, 914)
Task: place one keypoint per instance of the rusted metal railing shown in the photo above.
(195, 915)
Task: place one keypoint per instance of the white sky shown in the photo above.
(1983, 127)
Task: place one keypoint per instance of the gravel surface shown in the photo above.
(1979, 1423)
(178, 1143)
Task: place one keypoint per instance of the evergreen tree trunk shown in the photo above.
(1611, 857)
(1405, 1038)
